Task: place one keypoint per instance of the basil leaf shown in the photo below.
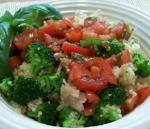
(6, 35)
(34, 15)
(7, 17)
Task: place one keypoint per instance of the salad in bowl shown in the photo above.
(78, 71)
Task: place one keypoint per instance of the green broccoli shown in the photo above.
(104, 48)
(51, 83)
(105, 114)
(45, 113)
(109, 48)
(6, 87)
(114, 95)
(71, 118)
(26, 90)
(41, 58)
(142, 65)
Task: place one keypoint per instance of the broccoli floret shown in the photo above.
(45, 113)
(114, 95)
(51, 83)
(142, 65)
(71, 118)
(109, 48)
(41, 58)
(105, 114)
(25, 90)
(104, 48)
(6, 87)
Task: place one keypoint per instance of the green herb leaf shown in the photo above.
(33, 16)
(6, 35)
(90, 42)
(7, 17)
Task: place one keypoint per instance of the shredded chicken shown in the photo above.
(126, 75)
(71, 96)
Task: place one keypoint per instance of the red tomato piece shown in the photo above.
(92, 97)
(92, 100)
(88, 22)
(68, 22)
(61, 41)
(89, 84)
(21, 41)
(50, 27)
(89, 109)
(55, 48)
(105, 69)
(101, 28)
(118, 31)
(72, 48)
(53, 28)
(125, 57)
(88, 33)
(112, 61)
(95, 71)
(48, 39)
(75, 34)
(91, 75)
(15, 61)
(130, 103)
(143, 93)
(77, 71)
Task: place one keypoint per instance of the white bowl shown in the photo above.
(140, 117)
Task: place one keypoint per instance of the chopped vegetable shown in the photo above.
(90, 42)
(72, 48)
(26, 90)
(6, 87)
(41, 59)
(142, 65)
(46, 113)
(15, 61)
(125, 57)
(71, 118)
(109, 48)
(51, 83)
(115, 95)
(122, 31)
(106, 113)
